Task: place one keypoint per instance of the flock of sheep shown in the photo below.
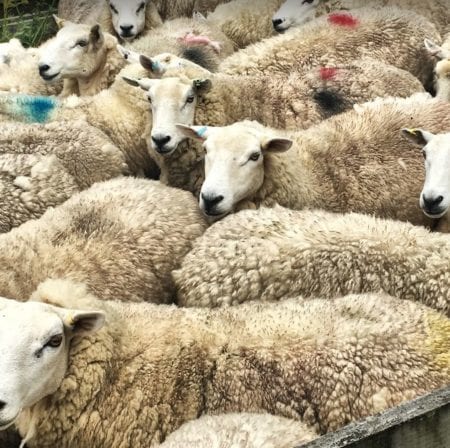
(218, 228)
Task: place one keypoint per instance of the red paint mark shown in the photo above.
(343, 19)
(194, 39)
(327, 73)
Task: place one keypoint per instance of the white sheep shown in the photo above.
(83, 56)
(122, 238)
(120, 112)
(241, 430)
(154, 367)
(273, 253)
(435, 196)
(391, 35)
(127, 18)
(295, 102)
(131, 18)
(356, 161)
(41, 166)
(294, 13)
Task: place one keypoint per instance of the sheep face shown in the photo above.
(128, 17)
(234, 163)
(294, 13)
(77, 51)
(173, 100)
(435, 196)
(34, 346)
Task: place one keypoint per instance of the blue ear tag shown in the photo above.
(201, 132)
(156, 67)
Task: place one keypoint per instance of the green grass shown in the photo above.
(31, 21)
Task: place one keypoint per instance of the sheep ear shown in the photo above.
(84, 322)
(418, 136)
(59, 22)
(199, 133)
(434, 48)
(202, 85)
(196, 15)
(150, 65)
(144, 84)
(96, 35)
(276, 144)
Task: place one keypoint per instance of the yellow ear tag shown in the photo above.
(69, 320)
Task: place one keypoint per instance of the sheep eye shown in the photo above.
(141, 7)
(113, 8)
(307, 1)
(190, 99)
(254, 157)
(82, 43)
(54, 341)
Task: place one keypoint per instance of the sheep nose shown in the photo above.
(43, 68)
(431, 204)
(126, 29)
(277, 22)
(210, 201)
(2, 405)
(160, 141)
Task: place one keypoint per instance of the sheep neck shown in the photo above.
(184, 168)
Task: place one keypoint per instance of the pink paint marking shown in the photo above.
(327, 73)
(343, 19)
(193, 39)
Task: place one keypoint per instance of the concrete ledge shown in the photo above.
(420, 423)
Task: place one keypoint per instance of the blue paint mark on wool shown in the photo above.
(36, 109)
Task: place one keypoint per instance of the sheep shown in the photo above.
(120, 112)
(435, 196)
(154, 367)
(122, 238)
(83, 56)
(241, 430)
(390, 35)
(126, 18)
(273, 253)
(245, 22)
(356, 161)
(43, 165)
(294, 13)
(131, 18)
(295, 102)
